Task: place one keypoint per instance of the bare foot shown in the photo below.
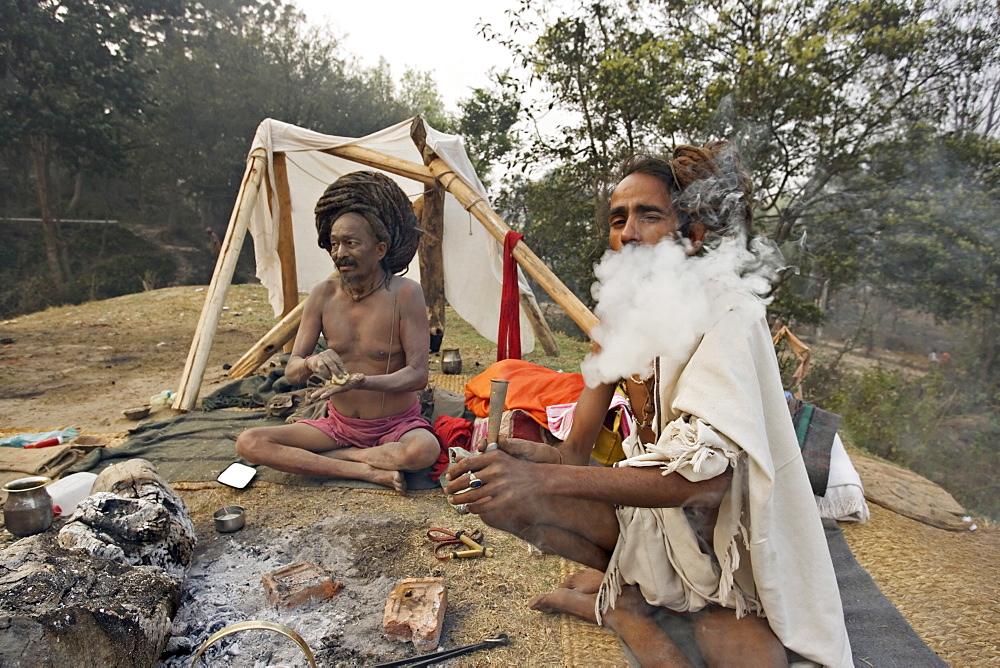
(568, 601)
(629, 606)
(587, 581)
(631, 618)
(393, 479)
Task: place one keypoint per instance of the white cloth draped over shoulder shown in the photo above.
(724, 407)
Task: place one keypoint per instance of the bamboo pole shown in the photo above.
(539, 325)
(429, 252)
(225, 266)
(385, 162)
(431, 258)
(286, 239)
(525, 257)
(269, 344)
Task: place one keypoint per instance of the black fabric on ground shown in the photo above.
(198, 446)
(251, 392)
(879, 634)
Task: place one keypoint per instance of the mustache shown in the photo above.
(345, 263)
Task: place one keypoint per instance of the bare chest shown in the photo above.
(365, 332)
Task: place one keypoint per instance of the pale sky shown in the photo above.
(440, 37)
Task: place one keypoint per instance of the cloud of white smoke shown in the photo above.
(656, 301)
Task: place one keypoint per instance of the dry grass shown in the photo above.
(945, 583)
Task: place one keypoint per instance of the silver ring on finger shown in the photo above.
(474, 482)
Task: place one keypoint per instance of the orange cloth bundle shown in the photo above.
(531, 388)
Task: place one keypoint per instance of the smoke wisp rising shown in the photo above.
(656, 301)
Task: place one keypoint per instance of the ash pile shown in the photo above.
(225, 586)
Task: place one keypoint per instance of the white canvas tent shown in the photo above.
(287, 170)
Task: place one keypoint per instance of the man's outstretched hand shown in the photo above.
(508, 485)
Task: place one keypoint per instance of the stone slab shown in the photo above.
(909, 494)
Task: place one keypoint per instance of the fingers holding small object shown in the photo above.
(344, 379)
(462, 508)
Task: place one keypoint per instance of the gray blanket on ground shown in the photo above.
(879, 634)
(198, 446)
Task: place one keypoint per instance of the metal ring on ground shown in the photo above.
(474, 482)
(261, 625)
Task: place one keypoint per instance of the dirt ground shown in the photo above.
(80, 366)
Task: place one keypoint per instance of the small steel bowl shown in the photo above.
(229, 519)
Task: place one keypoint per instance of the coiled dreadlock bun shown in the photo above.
(380, 201)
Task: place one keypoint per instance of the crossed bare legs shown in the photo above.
(586, 532)
(305, 450)
(631, 618)
(722, 639)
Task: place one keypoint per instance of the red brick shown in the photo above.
(415, 612)
(299, 584)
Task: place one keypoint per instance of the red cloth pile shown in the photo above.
(451, 432)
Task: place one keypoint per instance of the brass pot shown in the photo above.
(29, 507)
(451, 361)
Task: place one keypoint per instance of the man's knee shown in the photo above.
(420, 450)
(249, 444)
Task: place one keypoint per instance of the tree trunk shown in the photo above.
(103, 591)
(50, 231)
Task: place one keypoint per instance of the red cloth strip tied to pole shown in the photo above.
(509, 336)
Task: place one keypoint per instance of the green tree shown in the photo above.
(71, 76)
(919, 224)
(809, 90)
(419, 95)
(487, 124)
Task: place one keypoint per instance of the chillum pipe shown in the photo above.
(498, 396)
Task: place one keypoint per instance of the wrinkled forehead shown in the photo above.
(641, 190)
(351, 225)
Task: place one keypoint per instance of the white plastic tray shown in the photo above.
(237, 475)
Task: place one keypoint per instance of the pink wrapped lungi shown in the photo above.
(369, 433)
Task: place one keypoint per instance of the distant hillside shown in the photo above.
(106, 260)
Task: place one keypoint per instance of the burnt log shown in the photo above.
(133, 517)
(103, 591)
(63, 608)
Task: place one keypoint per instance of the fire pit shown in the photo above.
(224, 587)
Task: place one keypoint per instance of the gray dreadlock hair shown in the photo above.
(381, 202)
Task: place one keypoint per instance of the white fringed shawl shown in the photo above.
(725, 407)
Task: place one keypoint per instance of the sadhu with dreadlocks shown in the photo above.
(708, 511)
(375, 325)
